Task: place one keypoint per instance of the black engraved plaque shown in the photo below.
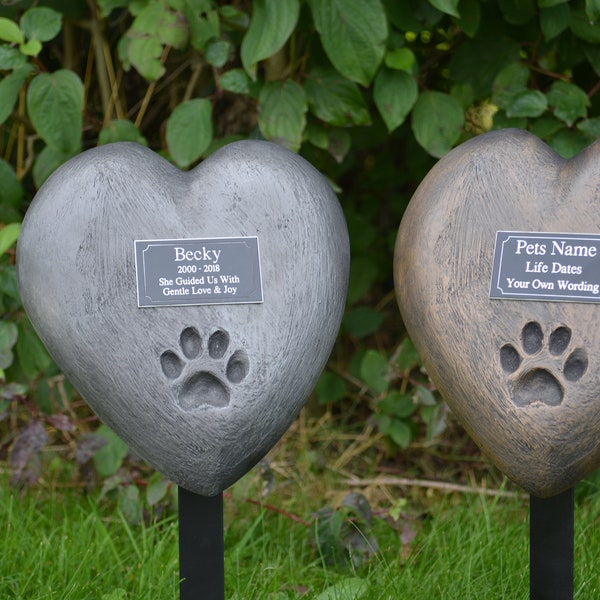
(198, 271)
(562, 267)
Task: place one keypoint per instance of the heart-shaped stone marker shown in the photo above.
(521, 375)
(201, 391)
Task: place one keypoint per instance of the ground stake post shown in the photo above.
(201, 562)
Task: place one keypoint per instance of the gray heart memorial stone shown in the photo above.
(194, 311)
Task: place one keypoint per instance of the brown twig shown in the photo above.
(149, 92)
(429, 484)
(275, 509)
(594, 89)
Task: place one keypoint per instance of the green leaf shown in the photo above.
(478, 61)
(400, 59)
(8, 336)
(118, 594)
(450, 7)
(509, 82)
(353, 34)
(330, 388)
(339, 144)
(109, 458)
(403, 17)
(570, 102)
(149, 19)
(395, 93)
(568, 143)
(583, 28)
(554, 20)
(335, 100)
(203, 21)
(590, 127)
(272, 23)
(8, 283)
(106, 6)
(400, 432)
(546, 126)
(374, 371)
(435, 418)
(189, 131)
(517, 12)
(592, 10)
(352, 588)
(11, 58)
(131, 505)
(173, 31)
(157, 489)
(9, 90)
(47, 161)
(282, 110)
(137, 6)
(354, 363)
(362, 321)
(123, 52)
(41, 23)
(437, 121)
(218, 143)
(463, 93)
(31, 48)
(144, 54)
(470, 16)
(11, 190)
(317, 135)
(7, 358)
(501, 121)
(232, 16)
(425, 396)
(407, 356)
(529, 103)
(121, 130)
(156, 21)
(592, 54)
(55, 105)
(8, 236)
(363, 272)
(33, 357)
(362, 233)
(398, 405)
(10, 31)
(344, 538)
(236, 81)
(217, 52)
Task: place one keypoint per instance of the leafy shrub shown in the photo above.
(370, 91)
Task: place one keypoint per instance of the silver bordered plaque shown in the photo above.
(560, 267)
(187, 272)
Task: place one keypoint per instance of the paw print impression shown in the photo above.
(203, 376)
(537, 371)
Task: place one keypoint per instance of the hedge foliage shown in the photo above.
(371, 91)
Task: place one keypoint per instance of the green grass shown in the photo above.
(61, 544)
(468, 547)
(64, 547)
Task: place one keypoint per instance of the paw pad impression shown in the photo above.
(202, 378)
(538, 370)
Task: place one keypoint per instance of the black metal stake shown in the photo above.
(551, 547)
(201, 563)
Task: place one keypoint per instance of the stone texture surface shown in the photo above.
(201, 392)
(522, 376)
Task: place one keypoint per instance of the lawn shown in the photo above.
(419, 541)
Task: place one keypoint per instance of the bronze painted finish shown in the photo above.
(522, 376)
